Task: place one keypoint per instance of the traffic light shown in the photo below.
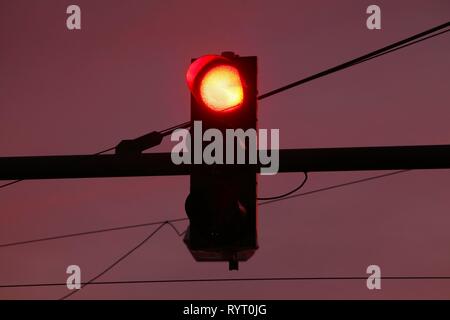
(221, 205)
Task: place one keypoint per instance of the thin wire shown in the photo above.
(404, 46)
(123, 257)
(180, 234)
(169, 222)
(10, 183)
(289, 192)
(340, 185)
(162, 224)
(104, 151)
(355, 61)
(11, 244)
(316, 278)
(168, 131)
(92, 281)
(184, 219)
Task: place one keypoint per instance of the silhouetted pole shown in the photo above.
(290, 160)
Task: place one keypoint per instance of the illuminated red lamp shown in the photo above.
(216, 83)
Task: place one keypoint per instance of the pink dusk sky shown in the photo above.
(123, 75)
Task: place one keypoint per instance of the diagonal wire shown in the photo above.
(123, 257)
(171, 221)
(70, 235)
(284, 195)
(387, 49)
(336, 186)
(180, 234)
(10, 183)
(404, 46)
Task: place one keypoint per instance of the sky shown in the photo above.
(123, 75)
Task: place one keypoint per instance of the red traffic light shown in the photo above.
(221, 205)
(216, 83)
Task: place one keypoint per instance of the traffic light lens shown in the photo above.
(221, 88)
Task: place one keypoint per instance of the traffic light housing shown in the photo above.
(221, 205)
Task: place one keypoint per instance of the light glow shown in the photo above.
(221, 88)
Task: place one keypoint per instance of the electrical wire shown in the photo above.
(353, 62)
(70, 235)
(128, 253)
(10, 183)
(115, 263)
(171, 221)
(104, 151)
(335, 186)
(180, 234)
(312, 278)
(169, 131)
(288, 193)
(404, 46)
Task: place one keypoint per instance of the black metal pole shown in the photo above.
(290, 160)
(365, 158)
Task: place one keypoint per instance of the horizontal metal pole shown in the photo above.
(365, 158)
(290, 160)
(89, 166)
